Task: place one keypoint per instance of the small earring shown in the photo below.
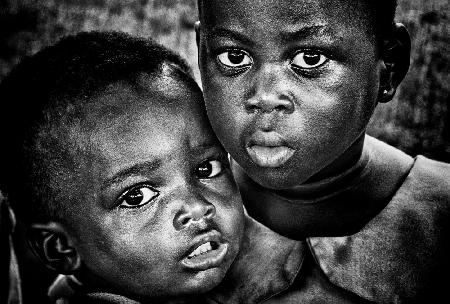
(385, 92)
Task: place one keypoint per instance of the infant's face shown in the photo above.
(159, 213)
(289, 85)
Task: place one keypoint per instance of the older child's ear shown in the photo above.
(396, 57)
(197, 32)
(52, 245)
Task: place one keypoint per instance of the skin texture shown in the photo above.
(151, 138)
(300, 75)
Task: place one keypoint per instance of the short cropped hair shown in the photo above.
(379, 14)
(45, 87)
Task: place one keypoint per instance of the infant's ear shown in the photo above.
(51, 243)
(395, 54)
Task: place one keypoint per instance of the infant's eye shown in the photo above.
(209, 168)
(138, 197)
(235, 59)
(308, 60)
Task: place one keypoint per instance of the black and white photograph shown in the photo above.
(224, 151)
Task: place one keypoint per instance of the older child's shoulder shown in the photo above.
(428, 181)
(401, 254)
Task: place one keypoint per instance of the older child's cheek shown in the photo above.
(221, 103)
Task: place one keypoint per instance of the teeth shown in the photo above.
(201, 250)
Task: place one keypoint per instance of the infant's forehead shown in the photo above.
(158, 97)
(149, 91)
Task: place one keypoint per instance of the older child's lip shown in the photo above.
(270, 156)
(207, 252)
(266, 139)
(268, 149)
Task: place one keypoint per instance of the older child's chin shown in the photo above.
(277, 178)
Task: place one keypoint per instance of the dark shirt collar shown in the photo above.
(402, 253)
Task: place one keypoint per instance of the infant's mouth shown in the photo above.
(203, 248)
(208, 252)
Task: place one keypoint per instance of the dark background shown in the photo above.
(416, 121)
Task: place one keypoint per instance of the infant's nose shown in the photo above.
(194, 212)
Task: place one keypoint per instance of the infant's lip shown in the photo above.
(213, 258)
(211, 236)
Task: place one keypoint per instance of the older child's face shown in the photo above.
(289, 85)
(159, 213)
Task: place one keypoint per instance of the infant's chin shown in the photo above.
(206, 280)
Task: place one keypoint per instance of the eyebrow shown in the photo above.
(120, 176)
(230, 34)
(296, 34)
(302, 33)
(200, 147)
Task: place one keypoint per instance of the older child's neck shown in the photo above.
(339, 203)
(340, 172)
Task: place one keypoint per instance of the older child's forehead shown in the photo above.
(257, 8)
(284, 13)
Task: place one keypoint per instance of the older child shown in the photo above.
(289, 87)
(108, 158)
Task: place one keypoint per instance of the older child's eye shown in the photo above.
(235, 59)
(209, 168)
(308, 60)
(138, 197)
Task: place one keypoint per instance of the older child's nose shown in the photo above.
(196, 211)
(270, 91)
